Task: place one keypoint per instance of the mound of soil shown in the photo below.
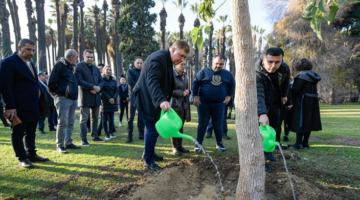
(195, 180)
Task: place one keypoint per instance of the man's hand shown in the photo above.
(289, 107)
(196, 101)
(186, 93)
(9, 114)
(263, 120)
(97, 88)
(283, 100)
(227, 99)
(165, 106)
(112, 101)
(52, 95)
(93, 91)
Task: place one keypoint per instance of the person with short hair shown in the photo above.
(306, 115)
(90, 85)
(50, 102)
(153, 92)
(212, 90)
(124, 99)
(64, 87)
(24, 101)
(108, 106)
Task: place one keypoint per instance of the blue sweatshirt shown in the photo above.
(213, 86)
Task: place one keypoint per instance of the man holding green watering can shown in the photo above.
(153, 92)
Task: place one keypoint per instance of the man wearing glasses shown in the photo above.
(152, 92)
(272, 82)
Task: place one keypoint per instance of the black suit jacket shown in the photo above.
(154, 86)
(20, 89)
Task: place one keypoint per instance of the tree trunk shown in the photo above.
(181, 21)
(118, 57)
(40, 14)
(49, 65)
(15, 19)
(63, 28)
(251, 184)
(359, 95)
(210, 45)
(98, 47)
(6, 41)
(82, 30)
(60, 51)
(52, 46)
(206, 56)
(75, 31)
(333, 100)
(222, 42)
(104, 51)
(163, 16)
(0, 44)
(29, 12)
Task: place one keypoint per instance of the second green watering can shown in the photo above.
(269, 135)
(169, 125)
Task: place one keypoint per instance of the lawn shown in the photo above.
(88, 172)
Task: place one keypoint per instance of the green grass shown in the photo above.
(90, 171)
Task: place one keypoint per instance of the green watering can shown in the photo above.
(269, 135)
(169, 125)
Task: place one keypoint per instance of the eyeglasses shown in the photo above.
(184, 57)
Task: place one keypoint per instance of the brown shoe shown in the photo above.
(38, 159)
(26, 164)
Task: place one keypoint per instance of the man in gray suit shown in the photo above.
(90, 84)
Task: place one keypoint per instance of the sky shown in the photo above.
(257, 14)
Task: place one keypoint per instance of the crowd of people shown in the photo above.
(155, 84)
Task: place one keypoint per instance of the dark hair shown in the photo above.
(88, 51)
(219, 56)
(101, 65)
(274, 51)
(23, 42)
(181, 44)
(303, 64)
(138, 57)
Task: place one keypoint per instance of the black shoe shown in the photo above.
(282, 147)
(208, 136)
(26, 164)
(85, 143)
(38, 159)
(267, 168)
(61, 150)
(129, 139)
(286, 139)
(156, 157)
(97, 139)
(152, 166)
(226, 137)
(52, 129)
(141, 136)
(295, 146)
(269, 156)
(306, 146)
(41, 131)
(72, 146)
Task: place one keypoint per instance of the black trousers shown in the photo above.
(123, 107)
(2, 114)
(140, 124)
(108, 122)
(274, 120)
(24, 131)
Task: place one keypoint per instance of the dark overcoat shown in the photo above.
(20, 89)
(178, 102)
(109, 91)
(155, 85)
(305, 111)
(124, 94)
(87, 80)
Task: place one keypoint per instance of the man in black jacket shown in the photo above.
(132, 77)
(50, 102)
(20, 90)
(153, 90)
(90, 83)
(272, 81)
(64, 87)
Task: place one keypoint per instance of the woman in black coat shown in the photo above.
(108, 106)
(306, 110)
(124, 99)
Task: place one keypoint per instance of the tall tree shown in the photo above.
(82, 30)
(138, 40)
(210, 43)
(163, 15)
(181, 4)
(31, 24)
(222, 37)
(195, 9)
(51, 32)
(15, 19)
(4, 19)
(98, 39)
(251, 183)
(40, 13)
(60, 45)
(75, 25)
(105, 8)
(116, 40)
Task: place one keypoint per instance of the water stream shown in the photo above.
(291, 184)
(218, 173)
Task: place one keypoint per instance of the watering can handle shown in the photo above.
(163, 112)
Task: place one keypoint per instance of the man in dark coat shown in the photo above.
(50, 102)
(132, 77)
(272, 82)
(90, 84)
(20, 90)
(153, 91)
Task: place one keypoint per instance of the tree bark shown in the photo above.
(98, 47)
(63, 28)
(76, 31)
(60, 51)
(40, 13)
(104, 51)
(251, 184)
(333, 100)
(5, 28)
(29, 12)
(210, 45)
(82, 30)
(15, 19)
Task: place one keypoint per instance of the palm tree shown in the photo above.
(261, 32)
(96, 11)
(51, 32)
(163, 16)
(40, 12)
(60, 50)
(75, 25)
(195, 9)
(210, 44)
(31, 24)
(15, 19)
(82, 38)
(181, 4)
(4, 19)
(48, 43)
(222, 38)
(105, 8)
(255, 29)
(116, 40)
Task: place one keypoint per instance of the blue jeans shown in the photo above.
(66, 118)
(224, 124)
(216, 112)
(151, 136)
